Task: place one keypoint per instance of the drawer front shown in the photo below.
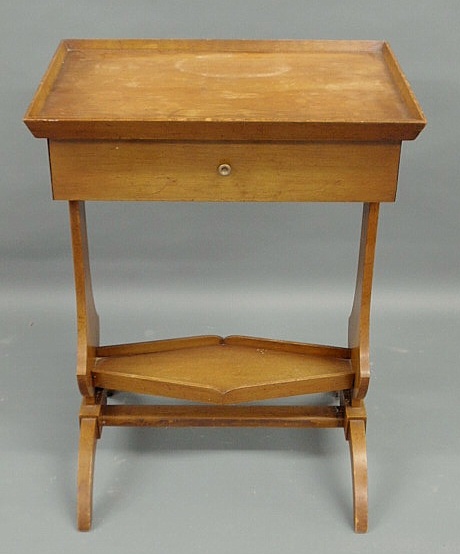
(224, 172)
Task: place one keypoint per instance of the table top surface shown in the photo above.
(217, 90)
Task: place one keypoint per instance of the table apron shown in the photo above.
(189, 171)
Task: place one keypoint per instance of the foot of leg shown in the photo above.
(86, 455)
(357, 441)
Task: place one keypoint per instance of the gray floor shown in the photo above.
(230, 490)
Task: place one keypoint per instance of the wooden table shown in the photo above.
(250, 121)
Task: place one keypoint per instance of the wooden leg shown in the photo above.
(357, 441)
(358, 327)
(87, 318)
(86, 455)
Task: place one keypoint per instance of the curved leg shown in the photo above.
(86, 455)
(357, 440)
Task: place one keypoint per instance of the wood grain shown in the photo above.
(87, 317)
(86, 457)
(149, 347)
(145, 170)
(224, 373)
(224, 90)
(295, 121)
(358, 453)
(222, 416)
(359, 321)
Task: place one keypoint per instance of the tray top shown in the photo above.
(224, 90)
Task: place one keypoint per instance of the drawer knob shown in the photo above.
(224, 169)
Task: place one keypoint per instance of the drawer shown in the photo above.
(224, 172)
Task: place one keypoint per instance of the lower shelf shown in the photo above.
(215, 370)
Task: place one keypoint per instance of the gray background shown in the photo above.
(281, 271)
